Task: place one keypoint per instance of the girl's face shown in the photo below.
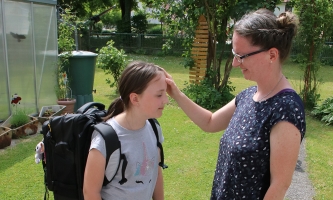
(153, 99)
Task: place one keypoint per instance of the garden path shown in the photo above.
(301, 187)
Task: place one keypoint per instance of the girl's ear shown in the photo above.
(134, 98)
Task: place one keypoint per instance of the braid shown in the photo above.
(267, 31)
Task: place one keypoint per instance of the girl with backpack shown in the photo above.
(142, 88)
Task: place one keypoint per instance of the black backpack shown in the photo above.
(67, 141)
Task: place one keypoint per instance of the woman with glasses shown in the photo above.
(265, 123)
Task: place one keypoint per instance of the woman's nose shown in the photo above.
(235, 62)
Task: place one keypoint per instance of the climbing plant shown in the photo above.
(315, 20)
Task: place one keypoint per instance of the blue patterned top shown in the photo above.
(242, 170)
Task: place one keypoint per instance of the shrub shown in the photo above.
(326, 56)
(112, 61)
(139, 23)
(97, 27)
(324, 112)
(207, 96)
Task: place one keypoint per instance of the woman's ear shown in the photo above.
(273, 54)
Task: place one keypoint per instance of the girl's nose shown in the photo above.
(166, 99)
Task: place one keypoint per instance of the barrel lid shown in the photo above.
(83, 53)
(79, 53)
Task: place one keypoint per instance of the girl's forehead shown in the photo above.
(159, 75)
(157, 80)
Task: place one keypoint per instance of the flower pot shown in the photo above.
(5, 137)
(29, 128)
(49, 111)
(70, 104)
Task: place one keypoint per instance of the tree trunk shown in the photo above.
(307, 75)
(126, 7)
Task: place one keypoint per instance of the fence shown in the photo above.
(131, 42)
(153, 43)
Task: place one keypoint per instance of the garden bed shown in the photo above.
(5, 137)
(29, 128)
(50, 111)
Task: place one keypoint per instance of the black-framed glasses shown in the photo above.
(240, 58)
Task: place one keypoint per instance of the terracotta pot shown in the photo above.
(5, 137)
(70, 104)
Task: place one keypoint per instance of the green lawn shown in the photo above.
(189, 152)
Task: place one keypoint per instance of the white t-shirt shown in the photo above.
(141, 151)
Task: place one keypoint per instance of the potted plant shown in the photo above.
(21, 124)
(64, 93)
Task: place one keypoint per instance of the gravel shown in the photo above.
(301, 187)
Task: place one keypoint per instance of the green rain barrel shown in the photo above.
(82, 72)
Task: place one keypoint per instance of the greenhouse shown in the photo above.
(28, 55)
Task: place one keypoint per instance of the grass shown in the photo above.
(189, 152)
(20, 177)
(319, 148)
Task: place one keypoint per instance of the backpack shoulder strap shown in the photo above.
(112, 143)
(153, 123)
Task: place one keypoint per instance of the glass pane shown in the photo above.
(4, 99)
(20, 53)
(45, 32)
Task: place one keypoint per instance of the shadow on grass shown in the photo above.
(19, 150)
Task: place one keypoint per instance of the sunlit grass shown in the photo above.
(190, 153)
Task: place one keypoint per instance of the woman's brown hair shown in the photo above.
(266, 30)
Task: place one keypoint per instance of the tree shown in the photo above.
(126, 7)
(315, 25)
(182, 17)
(84, 8)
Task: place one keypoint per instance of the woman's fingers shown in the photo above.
(167, 74)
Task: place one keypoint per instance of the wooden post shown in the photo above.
(199, 51)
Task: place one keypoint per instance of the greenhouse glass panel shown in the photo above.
(18, 26)
(45, 29)
(4, 98)
(28, 55)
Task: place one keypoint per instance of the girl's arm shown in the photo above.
(284, 145)
(159, 188)
(94, 175)
(205, 119)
